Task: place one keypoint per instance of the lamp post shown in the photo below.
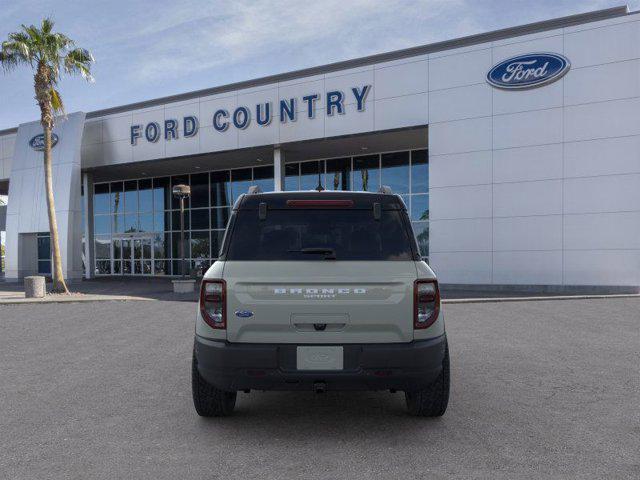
(182, 192)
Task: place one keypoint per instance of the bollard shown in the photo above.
(34, 287)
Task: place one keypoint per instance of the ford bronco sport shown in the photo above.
(320, 291)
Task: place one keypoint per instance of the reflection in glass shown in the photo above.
(200, 219)
(291, 177)
(338, 174)
(101, 198)
(145, 222)
(161, 194)
(117, 192)
(200, 245)
(175, 220)
(145, 196)
(161, 267)
(130, 223)
(160, 221)
(219, 217)
(200, 190)
(160, 242)
(419, 171)
(311, 174)
(102, 224)
(240, 182)
(131, 196)
(395, 171)
(220, 188)
(103, 247)
(103, 267)
(263, 177)
(366, 173)
(421, 230)
(117, 223)
(420, 207)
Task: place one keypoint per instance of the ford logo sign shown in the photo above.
(528, 71)
(37, 142)
(244, 313)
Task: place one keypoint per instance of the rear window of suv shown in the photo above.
(313, 234)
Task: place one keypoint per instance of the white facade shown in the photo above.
(527, 187)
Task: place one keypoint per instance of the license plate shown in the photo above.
(320, 358)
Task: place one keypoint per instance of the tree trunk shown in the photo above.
(59, 285)
(43, 96)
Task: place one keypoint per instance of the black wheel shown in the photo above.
(432, 401)
(209, 400)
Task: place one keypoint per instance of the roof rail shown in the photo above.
(253, 189)
(386, 190)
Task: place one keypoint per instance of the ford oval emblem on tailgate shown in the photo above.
(244, 313)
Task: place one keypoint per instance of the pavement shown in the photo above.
(540, 390)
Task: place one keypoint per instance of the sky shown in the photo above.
(149, 49)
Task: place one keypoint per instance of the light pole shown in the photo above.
(182, 192)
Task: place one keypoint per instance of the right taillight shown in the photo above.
(212, 303)
(426, 304)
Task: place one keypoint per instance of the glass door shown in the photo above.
(142, 256)
(133, 255)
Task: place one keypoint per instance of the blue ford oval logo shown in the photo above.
(528, 71)
(244, 313)
(37, 142)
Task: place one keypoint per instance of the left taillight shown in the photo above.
(426, 303)
(213, 294)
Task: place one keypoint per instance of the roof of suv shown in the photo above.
(359, 199)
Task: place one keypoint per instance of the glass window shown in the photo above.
(117, 267)
(103, 247)
(200, 219)
(145, 195)
(395, 171)
(161, 194)
(175, 244)
(44, 246)
(421, 229)
(216, 242)
(117, 189)
(161, 267)
(220, 189)
(304, 234)
(200, 245)
(131, 223)
(291, 177)
(102, 224)
(240, 182)
(419, 171)
(117, 249)
(161, 221)
(126, 267)
(179, 180)
(311, 174)
(200, 190)
(420, 207)
(219, 217)
(131, 196)
(263, 177)
(366, 173)
(175, 220)
(338, 174)
(103, 267)
(161, 245)
(145, 222)
(101, 198)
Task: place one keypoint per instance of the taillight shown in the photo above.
(212, 303)
(426, 303)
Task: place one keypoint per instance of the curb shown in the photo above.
(114, 298)
(538, 299)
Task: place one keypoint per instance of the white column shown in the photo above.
(87, 206)
(278, 169)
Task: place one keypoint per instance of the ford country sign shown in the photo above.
(37, 142)
(528, 71)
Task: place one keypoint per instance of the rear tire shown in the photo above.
(431, 401)
(208, 400)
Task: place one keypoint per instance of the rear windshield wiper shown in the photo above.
(329, 253)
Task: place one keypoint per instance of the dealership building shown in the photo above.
(517, 153)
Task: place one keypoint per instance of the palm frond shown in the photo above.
(56, 101)
(79, 60)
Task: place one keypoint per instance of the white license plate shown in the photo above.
(320, 358)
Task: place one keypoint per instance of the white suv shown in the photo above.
(320, 291)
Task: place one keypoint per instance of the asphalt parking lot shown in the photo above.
(546, 389)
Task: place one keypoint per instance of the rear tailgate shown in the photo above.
(320, 301)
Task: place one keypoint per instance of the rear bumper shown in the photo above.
(242, 366)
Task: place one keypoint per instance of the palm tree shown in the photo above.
(47, 53)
